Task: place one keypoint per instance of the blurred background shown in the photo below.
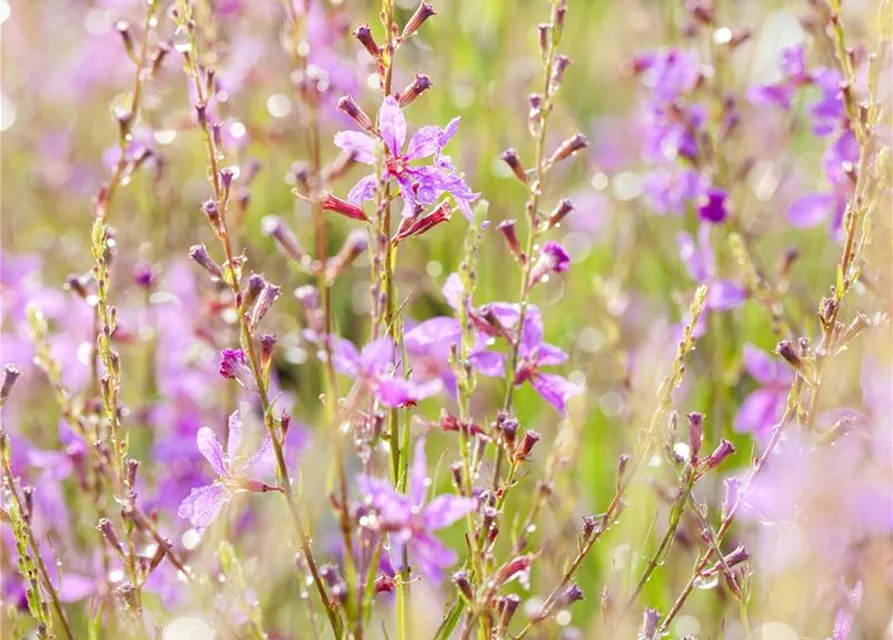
(824, 522)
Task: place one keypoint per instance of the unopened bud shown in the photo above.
(510, 157)
(349, 106)
(649, 624)
(364, 34)
(527, 444)
(275, 227)
(560, 212)
(212, 214)
(105, 527)
(356, 243)
(10, 374)
(414, 89)
(722, 451)
(421, 14)
(786, 350)
(132, 467)
(264, 301)
(345, 208)
(543, 30)
(123, 29)
(506, 607)
(568, 148)
(418, 226)
(460, 579)
(255, 287)
(201, 256)
(695, 432)
(562, 62)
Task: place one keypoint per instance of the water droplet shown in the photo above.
(707, 582)
(182, 40)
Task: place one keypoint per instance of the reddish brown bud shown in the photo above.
(345, 208)
(510, 157)
(364, 34)
(274, 227)
(507, 229)
(564, 207)
(414, 89)
(421, 14)
(568, 148)
(417, 226)
(348, 105)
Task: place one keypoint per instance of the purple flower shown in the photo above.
(422, 185)
(234, 366)
(410, 520)
(670, 190)
(793, 67)
(814, 208)
(203, 504)
(763, 407)
(552, 259)
(534, 354)
(697, 255)
(669, 74)
(712, 205)
(375, 366)
(828, 113)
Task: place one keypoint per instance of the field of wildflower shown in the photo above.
(460, 319)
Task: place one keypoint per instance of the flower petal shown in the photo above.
(211, 449)
(764, 368)
(488, 363)
(453, 290)
(234, 438)
(810, 210)
(359, 144)
(345, 357)
(418, 475)
(444, 510)
(723, 295)
(432, 556)
(377, 356)
(363, 190)
(550, 355)
(392, 125)
(424, 143)
(759, 411)
(203, 504)
(555, 389)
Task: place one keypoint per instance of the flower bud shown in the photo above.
(568, 148)
(123, 29)
(199, 253)
(506, 607)
(785, 349)
(275, 227)
(527, 444)
(212, 214)
(649, 624)
(105, 527)
(251, 293)
(264, 301)
(132, 467)
(348, 105)
(507, 229)
(518, 567)
(421, 14)
(267, 344)
(345, 208)
(364, 34)
(564, 207)
(562, 62)
(695, 432)
(10, 374)
(509, 430)
(510, 157)
(356, 243)
(543, 30)
(414, 89)
(722, 451)
(416, 226)
(460, 579)
(456, 470)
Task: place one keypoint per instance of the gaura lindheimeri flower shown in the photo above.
(763, 407)
(419, 184)
(203, 504)
(376, 368)
(533, 354)
(409, 520)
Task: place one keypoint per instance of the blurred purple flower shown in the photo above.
(760, 410)
(203, 504)
(410, 520)
(846, 615)
(375, 366)
(669, 190)
(722, 295)
(712, 205)
(418, 184)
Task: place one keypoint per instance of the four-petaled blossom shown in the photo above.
(422, 185)
(762, 408)
(203, 504)
(375, 366)
(533, 354)
(409, 520)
